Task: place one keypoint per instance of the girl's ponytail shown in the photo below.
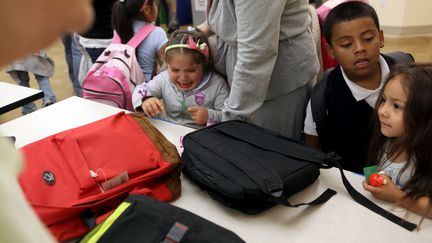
(122, 21)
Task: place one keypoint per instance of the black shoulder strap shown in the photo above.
(266, 178)
(361, 199)
(270, 141)
(318, 104)
(400, 57)
(298, 150)
(278, 144)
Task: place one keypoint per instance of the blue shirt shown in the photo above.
(146, 52)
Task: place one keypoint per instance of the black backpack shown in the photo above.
(251, 169)
(141, 219)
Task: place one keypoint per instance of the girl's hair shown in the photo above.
(123, 14)
(416, 79)
(348, 11)
(199, 50)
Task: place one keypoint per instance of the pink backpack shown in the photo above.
(113, 77)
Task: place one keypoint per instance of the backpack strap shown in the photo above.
(300, 151)
(259, 172)
(318, 102)
(361, 199)
(269, 141)
(116, 38)
(141, 35)
(137, 38)
(400, 57)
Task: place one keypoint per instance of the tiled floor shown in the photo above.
(420, 47)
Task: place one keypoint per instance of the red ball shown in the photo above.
(376, 180)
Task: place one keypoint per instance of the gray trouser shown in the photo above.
(284, 114)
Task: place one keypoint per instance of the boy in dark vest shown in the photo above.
(339, 112)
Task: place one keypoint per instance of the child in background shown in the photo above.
(128, 17)
(350, 90)
(188, 92)
(93, 42)
(42, 67)
(402, 138)
(171, 8)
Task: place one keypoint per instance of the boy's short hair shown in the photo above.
(348, 11)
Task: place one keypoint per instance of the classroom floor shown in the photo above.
(420, 47)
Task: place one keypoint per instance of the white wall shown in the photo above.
(404, 17)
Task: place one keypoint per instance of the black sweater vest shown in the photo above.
(347, 125)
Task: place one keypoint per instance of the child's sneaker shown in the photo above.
(47, 103)
(172, 25)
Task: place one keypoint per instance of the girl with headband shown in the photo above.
(189, 92)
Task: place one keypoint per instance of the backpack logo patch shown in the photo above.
(48, 178)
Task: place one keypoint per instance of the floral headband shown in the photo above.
(192, 45)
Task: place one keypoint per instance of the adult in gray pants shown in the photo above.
(266, 51)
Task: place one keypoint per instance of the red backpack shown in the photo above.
(86, 172)
(113, 77)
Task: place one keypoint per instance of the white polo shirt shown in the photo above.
(359, 93)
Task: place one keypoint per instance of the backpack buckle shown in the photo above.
(275, 190)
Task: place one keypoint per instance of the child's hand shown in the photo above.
(152, 106)
(388, 192)
(199, 114)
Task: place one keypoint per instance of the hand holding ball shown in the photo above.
(376, 180)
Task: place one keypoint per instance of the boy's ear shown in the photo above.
(381, 35)
(329, 50)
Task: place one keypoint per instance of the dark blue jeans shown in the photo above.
(73, 59)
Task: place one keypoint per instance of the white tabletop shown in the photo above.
(340, 219)
(13, 96)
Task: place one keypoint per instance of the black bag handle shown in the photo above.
(274, 144)
(257, 171)
(324, 197)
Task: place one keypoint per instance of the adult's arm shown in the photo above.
(205, 29)
(221, 94)
(258, 29)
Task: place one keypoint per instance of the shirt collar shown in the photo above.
(361, 93)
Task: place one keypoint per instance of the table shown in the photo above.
(13, 96)
(340, 219)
